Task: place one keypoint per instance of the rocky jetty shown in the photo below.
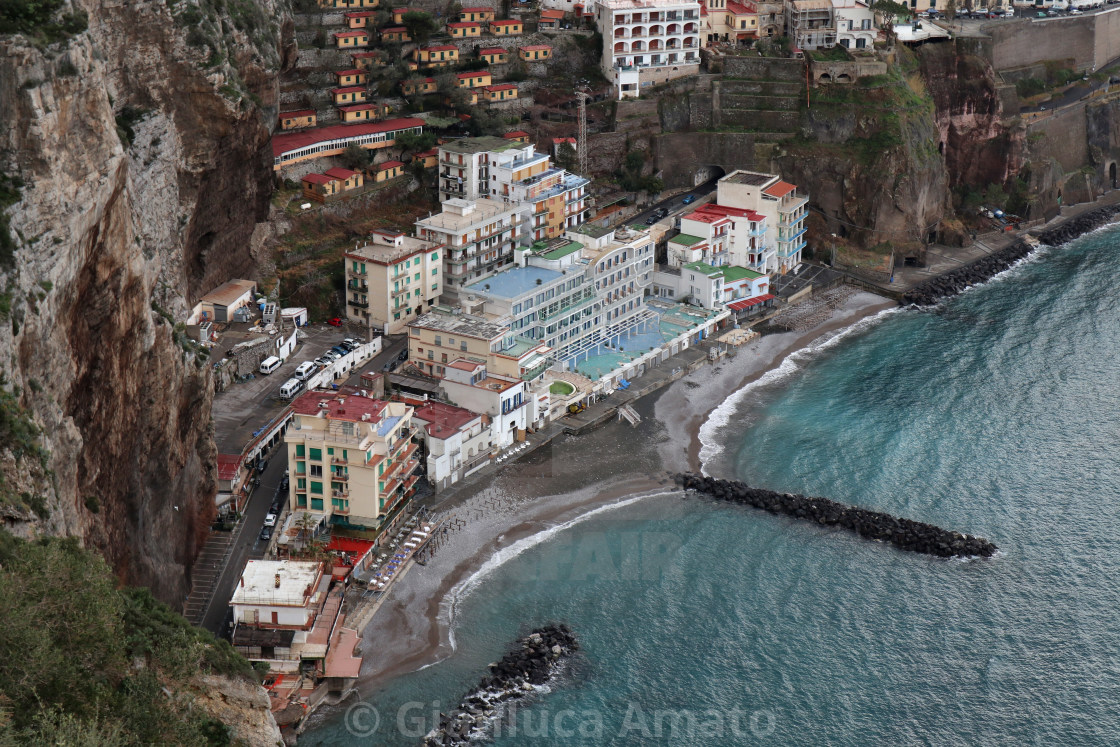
(1082, 224)
(906, 534)
(531, 662)
(951, 283)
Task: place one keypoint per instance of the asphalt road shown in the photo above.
(391, 347)
(674, 204)
(246, 544)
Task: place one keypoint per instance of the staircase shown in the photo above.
(630, 414)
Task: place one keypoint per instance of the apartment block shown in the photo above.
(352, 461)
(781, 204)
(646, 42)
(392, 280)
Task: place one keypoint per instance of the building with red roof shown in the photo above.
(519, 135)
(535, 52)
(500, 92)
(480, 14)
(506, 28)
(353, 77)
(459, 442)
(464, 30)
(351, 39)
(550, 20)
(494, 55)
(440, 55)
(358, 19)
(397, 34)
(784, 211)
(290, 148)
(294, 120)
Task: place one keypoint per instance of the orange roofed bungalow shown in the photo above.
(351, 39)
(397, 34)
(352, 77)
(440, 55)
(464, 30)
(358, 19)
(550, 20)
(418, 86)
(348, 95)
(506, 28)
(383, 172)
(474, 79)
(500, 92)
(479, 14)
(297, 119)
(368, 60)
(400, 13)
(519, 136)
(494, 55)
(428, 158)
(535, 52)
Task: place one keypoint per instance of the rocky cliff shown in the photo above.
(141, 146)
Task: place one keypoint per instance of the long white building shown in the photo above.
(646, 42)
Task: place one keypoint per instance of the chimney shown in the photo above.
(277, 580)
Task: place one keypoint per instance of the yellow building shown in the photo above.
(517, 136)
(494, 55)
(500, 92)
(352, 77)
(392, 280)
(367, 60)
(441, 55)
(483, 15)
(428, 158)
(352, 461)
(397, 34)
(505, 28)
(383, 172)
(351, 39)
(297, 119)
(347, 179)
(358, 113)
(436, 339)
(474, 79)
(464, 30)
(319, 187)
(535, 52)
(348, 3)
(358, 19)
(399, 13)
(348, 95)
(418, 86)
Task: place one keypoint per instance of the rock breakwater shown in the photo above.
(531, 662)
(954, 282)
(1082, 224)
(905, 534)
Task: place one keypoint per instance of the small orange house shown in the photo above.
(428, 158)
(438, 56)
(500, 92)
(418, 86)
(464, 30)
(474, 79)
(388, 170)
(358, 113)
(519, 136)
(483, 15)
(358, 19)
(368, 60)
(348, 95)
(398, 34)
(347, 179)
(348, 3)
(399, 13)
(297, 119)
(506, 28)
(351, 39)
(535, 52)
(494, 55)
(319, 187)
(352, 77)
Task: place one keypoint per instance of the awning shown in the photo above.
(746, 303)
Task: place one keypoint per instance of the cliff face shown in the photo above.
(979, 146)
(142, 147)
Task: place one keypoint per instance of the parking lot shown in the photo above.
(246, 406)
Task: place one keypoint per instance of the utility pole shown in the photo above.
(581, 144)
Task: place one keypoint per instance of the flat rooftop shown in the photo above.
(484, 210)
(387, 254)
(477, 144)
(514, 283)
(749, 178)
(460, 324)
(258, 582)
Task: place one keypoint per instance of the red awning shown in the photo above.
(746, 303)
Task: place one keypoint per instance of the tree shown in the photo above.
(566, 157)
(420, 26)
(411, 142)
(356, 157)
(951, 9)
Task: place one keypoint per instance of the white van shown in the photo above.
(291, 388)
(269, 364)
(303, 373)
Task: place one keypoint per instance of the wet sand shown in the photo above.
(542, 490)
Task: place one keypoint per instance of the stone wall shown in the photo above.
(684, 157)
(765, 68)
(1090, 40)
(845, 72)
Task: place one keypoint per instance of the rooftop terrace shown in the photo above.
(513, 283)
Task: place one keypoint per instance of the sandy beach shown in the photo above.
(616, 463)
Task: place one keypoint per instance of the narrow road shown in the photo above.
(674, 204)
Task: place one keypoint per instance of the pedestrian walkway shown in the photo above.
(205, 572)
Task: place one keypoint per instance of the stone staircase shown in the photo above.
(205, 572)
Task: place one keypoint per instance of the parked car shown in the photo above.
(388, 366)
(266, 534)
(270, 520)
(688, 199)
(403, 356)
(350, 343)
(284, 484)
(336, 322)
(332, 354)
(651, 220)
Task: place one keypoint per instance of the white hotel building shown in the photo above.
(648, 41)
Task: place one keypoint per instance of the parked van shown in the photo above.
(303, 373)
(269, 364)
(291, 388)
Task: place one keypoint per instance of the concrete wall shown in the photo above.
(764, 67)
(680, 155)
(1090, 40)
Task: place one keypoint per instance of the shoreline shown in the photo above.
(415, 630)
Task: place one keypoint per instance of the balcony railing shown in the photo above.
(358, 304)
(354, 285)
(402, 291)
(340, 476)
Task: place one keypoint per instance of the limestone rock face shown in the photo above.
(243, 705)
(142, 145)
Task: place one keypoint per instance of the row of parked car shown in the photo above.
(307, 369)
(275, 510)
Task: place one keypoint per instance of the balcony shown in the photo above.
(339, 460)
(402, 292)
(340, 476)
(359, 273)
(354, 285)
(358, 304)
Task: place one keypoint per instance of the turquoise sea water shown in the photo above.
(997, 414)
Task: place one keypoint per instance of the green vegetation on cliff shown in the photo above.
(42, 20)
(84, 662)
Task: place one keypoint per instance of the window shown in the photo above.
(316, 470)
(299, 450)
(330, 451)
(438, 342)
(301, 468)
(301, 484)
(463, 345)
(451, 342)
(317, 454)
(316, 504)
(435, 271)
(316, 487)
(435, 256)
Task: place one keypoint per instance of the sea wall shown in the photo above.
(905, 534)
(974, 273)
